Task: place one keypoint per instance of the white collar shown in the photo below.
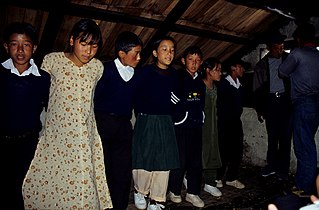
(232, 82)
(126, 72)
(8, 64)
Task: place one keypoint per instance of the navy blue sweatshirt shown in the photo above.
(156, 87)
(190, 111)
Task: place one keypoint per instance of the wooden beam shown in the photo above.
(166, 26)
(117, 17)
(51, 29)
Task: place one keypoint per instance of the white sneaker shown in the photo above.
(155, 206)
(219, 183)
(214, 191)
(139, 201)
(195, 200)
(236, 184)
(185, 182)
(174, 198)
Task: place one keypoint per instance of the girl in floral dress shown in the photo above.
(67, 171)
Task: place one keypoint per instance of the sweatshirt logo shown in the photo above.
(193, 96)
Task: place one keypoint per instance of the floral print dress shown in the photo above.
(68, 171)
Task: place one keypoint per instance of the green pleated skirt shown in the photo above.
(154, 145)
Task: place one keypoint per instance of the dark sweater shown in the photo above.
(22, 101)
(229, 101)
(192, 95)
(113, 94)
(155, 89)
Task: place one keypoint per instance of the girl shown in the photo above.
(154, 143)
(67, 171)
(211, 159)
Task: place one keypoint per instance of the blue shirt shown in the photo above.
(302, 66)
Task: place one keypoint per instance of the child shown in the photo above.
(113, 103)
(189, 119)
(67, 171)
(24, 92)
(211, 73)
(154, 146)
(230, 130)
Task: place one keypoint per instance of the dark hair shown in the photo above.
(85, 28)
(21, 28)
(275, 38)
(125, 41)
(233, 63)
(210, 63)
(193, 50)
(305, 32)
(158, 42)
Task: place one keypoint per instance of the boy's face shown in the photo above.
(20, 49)
(132, 57)
(192, 63)
(239, 70)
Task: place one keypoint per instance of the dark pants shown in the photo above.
(116, 136)
(279, 129)
(230, 139)
(16, 155)
(189, 142)
(306, 122)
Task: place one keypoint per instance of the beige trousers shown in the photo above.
(153, 183)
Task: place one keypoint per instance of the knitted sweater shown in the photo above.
(22, 101)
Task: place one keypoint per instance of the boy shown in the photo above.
(189, 120)
(24, 92)
(230, 130)
(113, 110)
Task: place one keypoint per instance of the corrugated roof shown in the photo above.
(221, 28)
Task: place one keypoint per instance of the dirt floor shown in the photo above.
(257, 194)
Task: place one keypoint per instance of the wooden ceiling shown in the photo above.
(221, 28)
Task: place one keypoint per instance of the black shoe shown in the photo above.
(267, 171)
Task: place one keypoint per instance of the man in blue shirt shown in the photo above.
(302, 66)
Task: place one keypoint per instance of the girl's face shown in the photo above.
(20, 49)
(215, 73)
(82, 52)
(164, 54)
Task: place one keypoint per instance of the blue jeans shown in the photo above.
(306, 122)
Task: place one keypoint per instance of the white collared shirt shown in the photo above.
(126, 72)
(8, 64)
(232, 82)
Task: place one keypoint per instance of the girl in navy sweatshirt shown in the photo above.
(154, 144)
